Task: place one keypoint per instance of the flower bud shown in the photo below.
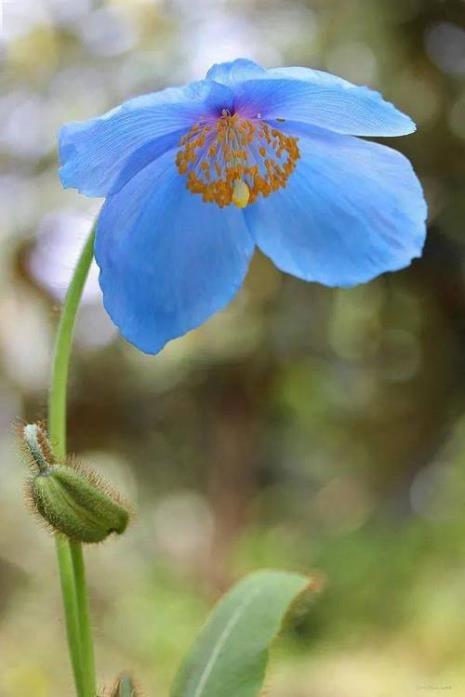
(72, 500)
(124, 687)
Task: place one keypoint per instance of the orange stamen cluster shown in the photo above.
(217, 156)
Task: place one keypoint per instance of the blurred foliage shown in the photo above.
(302, 428)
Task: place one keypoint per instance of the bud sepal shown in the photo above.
(125, 686)
(71, 499)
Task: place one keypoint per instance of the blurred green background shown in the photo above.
(302, 428)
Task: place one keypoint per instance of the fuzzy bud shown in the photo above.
(71, 500)
(124, 687)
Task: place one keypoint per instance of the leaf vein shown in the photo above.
(224, 636)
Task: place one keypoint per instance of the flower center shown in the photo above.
(235, 160)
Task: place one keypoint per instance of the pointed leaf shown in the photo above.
(230, 655)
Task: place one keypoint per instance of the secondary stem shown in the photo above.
(69, 554)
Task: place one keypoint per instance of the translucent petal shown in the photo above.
(235, 71)
(167, 259)
(100, 155)
(316, 77)
(351, 210)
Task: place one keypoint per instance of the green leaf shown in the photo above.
(230, 656)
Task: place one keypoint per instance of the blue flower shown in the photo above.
(195, 177)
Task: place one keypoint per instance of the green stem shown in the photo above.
(60, 368)
(87, 645)
(68, 591)
(69, 554)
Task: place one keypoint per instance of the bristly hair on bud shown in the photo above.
(37, 447)
(72, 500)
(125, 686)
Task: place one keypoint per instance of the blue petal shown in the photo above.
(316, 77)
(100, 155)
(167, 259)
(351, 210)
(235, 71)
(320, 99)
